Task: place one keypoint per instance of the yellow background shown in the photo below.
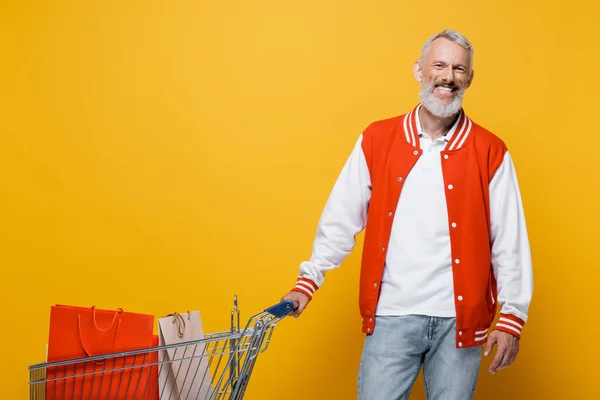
(164, 156)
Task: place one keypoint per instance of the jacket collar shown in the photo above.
(457, 136)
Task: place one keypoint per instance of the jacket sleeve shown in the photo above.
(510, 251)
(343, 217)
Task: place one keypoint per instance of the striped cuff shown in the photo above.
(306, 286)
(510, 324)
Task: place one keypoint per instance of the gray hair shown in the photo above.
(452, 36)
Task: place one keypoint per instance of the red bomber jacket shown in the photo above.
(469, 162)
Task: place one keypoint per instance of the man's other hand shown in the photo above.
(508, 347)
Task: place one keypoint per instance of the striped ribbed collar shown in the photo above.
(457, 138)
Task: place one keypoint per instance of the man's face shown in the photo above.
(444, 76)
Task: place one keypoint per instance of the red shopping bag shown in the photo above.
(79, 332)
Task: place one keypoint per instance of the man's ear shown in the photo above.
(418, 72)
(472, 75)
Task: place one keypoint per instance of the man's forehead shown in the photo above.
(444, 47)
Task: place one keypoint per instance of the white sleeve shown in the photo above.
(343, 217)
(510, 251)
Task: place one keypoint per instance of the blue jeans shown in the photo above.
(393, 355)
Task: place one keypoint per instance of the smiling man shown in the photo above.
(445, 245)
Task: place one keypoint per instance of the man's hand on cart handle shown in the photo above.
(300, 302)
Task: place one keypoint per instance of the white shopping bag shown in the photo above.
(184, 369)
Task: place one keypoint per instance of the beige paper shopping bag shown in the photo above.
(184, 369)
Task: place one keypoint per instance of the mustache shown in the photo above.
(451, 84)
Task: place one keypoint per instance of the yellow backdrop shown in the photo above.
(164, 156)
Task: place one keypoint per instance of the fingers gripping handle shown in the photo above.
(283, 308)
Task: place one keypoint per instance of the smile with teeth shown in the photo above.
(445, 89)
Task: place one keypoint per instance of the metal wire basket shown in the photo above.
(217, 367)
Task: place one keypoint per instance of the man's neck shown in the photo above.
(435, 127)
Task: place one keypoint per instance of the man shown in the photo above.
(445, 239)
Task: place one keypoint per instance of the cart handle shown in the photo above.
(282, 309)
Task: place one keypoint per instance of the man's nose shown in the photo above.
(448, 74)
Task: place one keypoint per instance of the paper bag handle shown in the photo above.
(117, 312)
(87, 352)
(178, 319)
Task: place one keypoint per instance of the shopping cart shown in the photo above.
(217, 367)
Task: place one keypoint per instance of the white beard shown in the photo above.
(432, 104)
